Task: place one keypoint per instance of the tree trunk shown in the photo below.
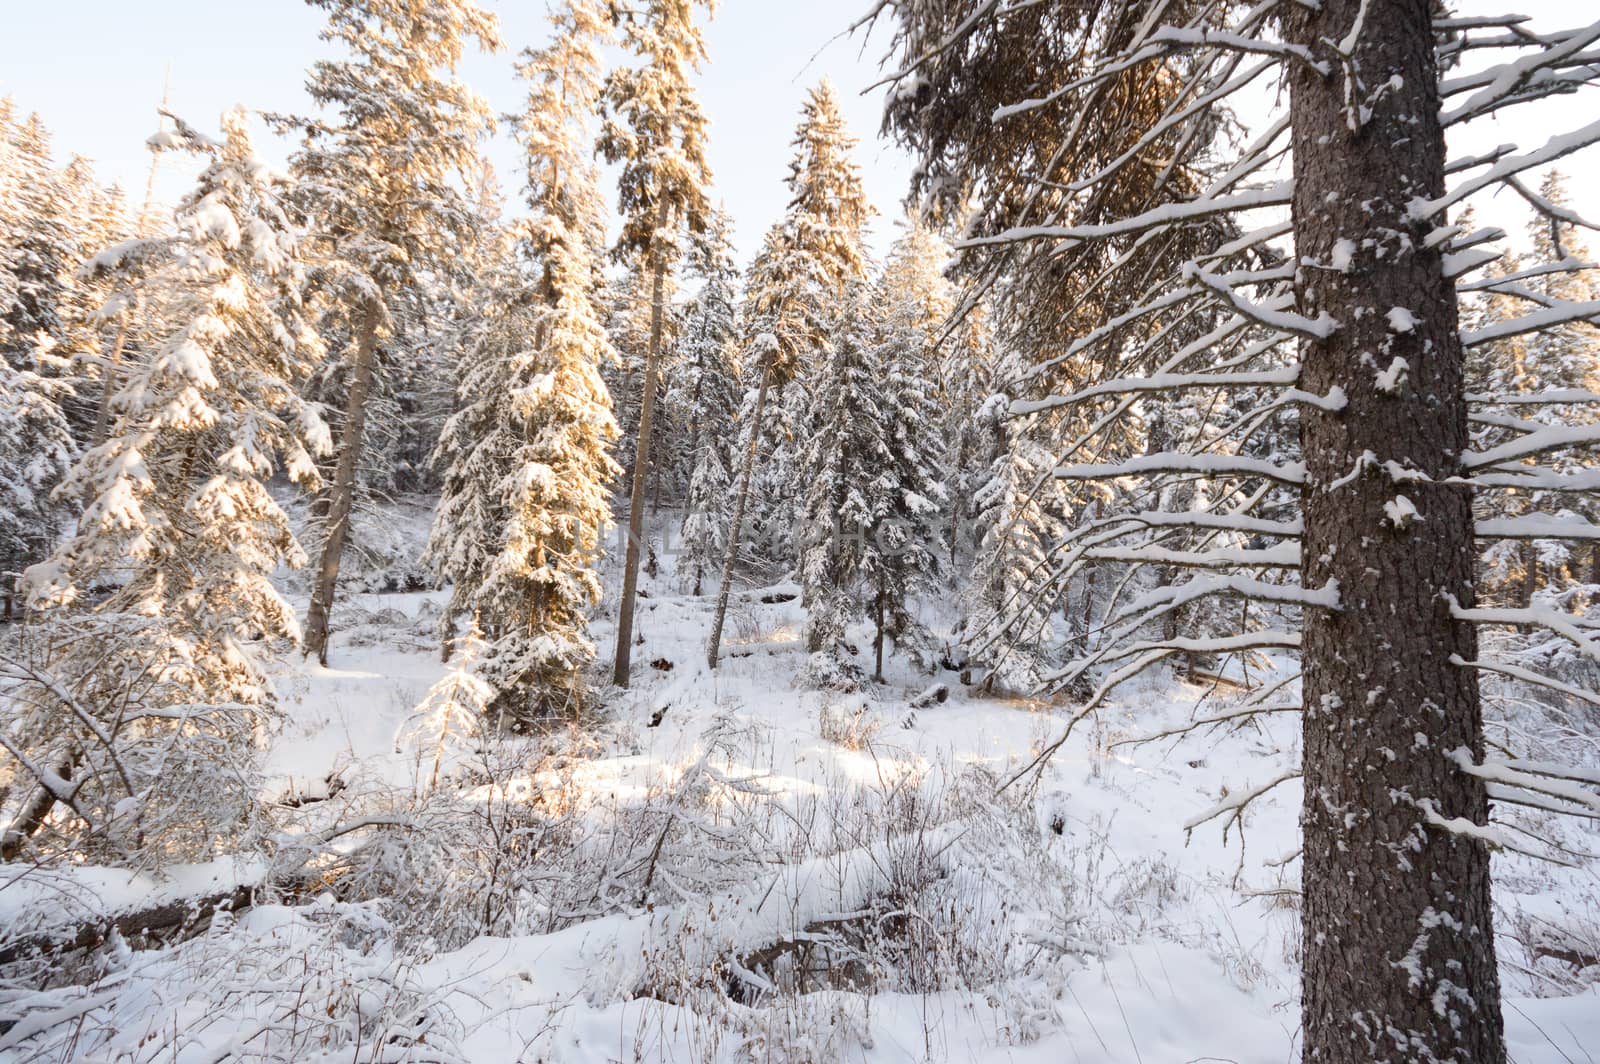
(741, 497)
(641, 463)
(1399, 961)
(655, 491)
(877, 638)
(341, 496)
(1530, 573)
(112, 371)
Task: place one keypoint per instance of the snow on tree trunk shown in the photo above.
(1398, 936)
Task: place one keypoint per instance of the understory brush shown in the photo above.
(770, 912)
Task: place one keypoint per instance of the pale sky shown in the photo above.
(94, 69)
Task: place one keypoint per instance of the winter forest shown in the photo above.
(1135, 597)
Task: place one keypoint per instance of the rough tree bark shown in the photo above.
(736, 525)
(341, 495)
(641, 464)
(1399, 961)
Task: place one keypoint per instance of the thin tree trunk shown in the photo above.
(1398, 948)
(655, 493)
(958, 507)
(641, 463)
(112, 372)
(1530, 573)
(877, 639)
(737, 524)
(341, 496)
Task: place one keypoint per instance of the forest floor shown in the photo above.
(732, 866)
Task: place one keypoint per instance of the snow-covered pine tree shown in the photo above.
(36, 444)
(706, 397)
(450, 717)
(822, 238)
(36, 451)
(1006, 608)
(839, 465)
(907, 497)
(37, 228)
(925, 299)
(177, 516)
(1334, 312)
(969, 356)
(655, 129)
(98, 218)
(806, 260)
(627, 318)
(526, 457)
(10, 179)
(168, 568)
(50, 221)
(379, 176)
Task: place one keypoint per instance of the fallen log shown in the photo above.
(163, 921)
(173, 920)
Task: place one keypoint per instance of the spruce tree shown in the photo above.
(526, 457)
(36, 442)
(1343, 324)
(906, 493)
(839, 463)
(1006, 614)
(806, 261)
(176, 513)
(655, 129)
(36, 451)
(706, 398)
(146, 687)
(39, 223)
(10, 210)
(379, 175)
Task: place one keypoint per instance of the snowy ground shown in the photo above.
(821, 878)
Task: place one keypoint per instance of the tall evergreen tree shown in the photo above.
(148, 691)
(36, 451)
(39, 223)
(526, 456)
(870, 528)
(36, 441)
(842, 456)
(706, 397)
(378, 177)
(655, 129)
(1006, 611)
(907, 493)
(813, 254)
(176, 513)
(1343, 324)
